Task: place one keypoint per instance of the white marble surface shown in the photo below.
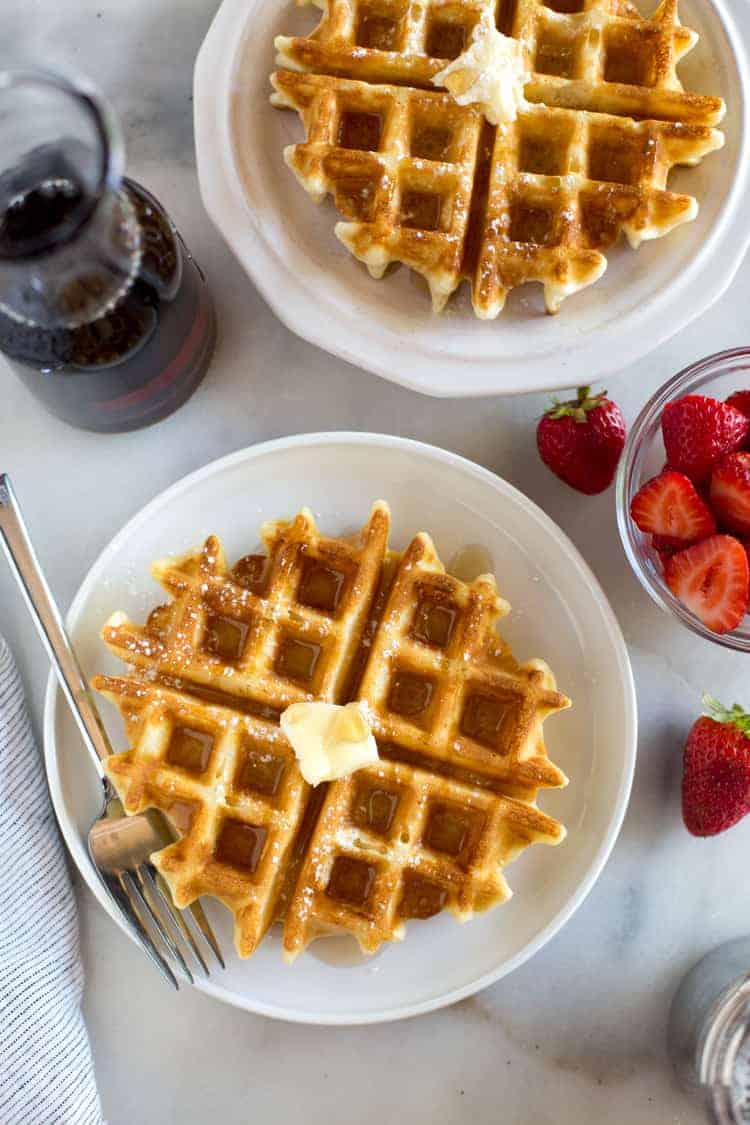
(578, 1033)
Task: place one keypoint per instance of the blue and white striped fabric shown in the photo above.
(46, 1071)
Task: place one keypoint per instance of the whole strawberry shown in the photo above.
(581, 440)
(698, 430)
(716, 770)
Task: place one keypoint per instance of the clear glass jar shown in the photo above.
(644, 457)
(709, 1033)
(104, 314)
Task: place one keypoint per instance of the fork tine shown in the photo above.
(162, 915)
(129, 910)
(142, 908)
(187, 934)
(177, 916)
(204, 926)
(180, 918)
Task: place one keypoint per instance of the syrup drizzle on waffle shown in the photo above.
(458, 721)
(420, 180)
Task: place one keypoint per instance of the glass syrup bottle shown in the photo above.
(104, 314)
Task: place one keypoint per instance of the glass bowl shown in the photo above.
(644, 457)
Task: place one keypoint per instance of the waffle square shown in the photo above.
(422, 181)
(457, 720)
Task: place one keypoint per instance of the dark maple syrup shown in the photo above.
(409, 695)
(297, 660)
(225, 637)
(321, 587)
(240, 845)
(434, 623)
(252, 573)
(485, 718)
(190, 749)
(132, 364)
(351, 881)
(421, 898)
(447, 830)
(375, 808)
(260, 771)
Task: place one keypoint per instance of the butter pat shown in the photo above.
(491, 73)
(330, 741)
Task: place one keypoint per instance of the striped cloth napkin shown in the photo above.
(46, 1071)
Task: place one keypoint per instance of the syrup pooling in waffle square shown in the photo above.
(230, 785)
(394, 843)
(440, 690)
(605, 121)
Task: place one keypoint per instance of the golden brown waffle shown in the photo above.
(229, 784)
(272, 631)
(214, 669)
(423, 181)
(457, 722)
(330, 619)
(443, 693)
(394, 843)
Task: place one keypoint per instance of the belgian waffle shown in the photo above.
(458, 722)
(423, 181)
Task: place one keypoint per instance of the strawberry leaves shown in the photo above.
(581, 440)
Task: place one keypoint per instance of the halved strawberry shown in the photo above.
(740, 400)
(698, 430)
(701, 486)
(730, 492)
(712, 579)
(669, 506)
(746, 546)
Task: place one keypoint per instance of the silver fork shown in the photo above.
(120, 847)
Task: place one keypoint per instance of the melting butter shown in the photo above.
(491, 73)
(329, 741)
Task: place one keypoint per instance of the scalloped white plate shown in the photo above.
(287, 245)
(559, 612)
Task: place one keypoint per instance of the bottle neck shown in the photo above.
(65, 261)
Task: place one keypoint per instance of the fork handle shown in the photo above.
(46, 616)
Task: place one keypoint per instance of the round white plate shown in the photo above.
(559, 612)
(287, 245)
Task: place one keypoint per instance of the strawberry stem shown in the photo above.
(735, 715)
(576, 408)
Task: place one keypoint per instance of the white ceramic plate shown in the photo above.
(287, 245)
(559, 612)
